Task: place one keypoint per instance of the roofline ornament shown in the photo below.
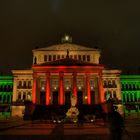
(66, 39)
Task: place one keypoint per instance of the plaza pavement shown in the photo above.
(18, 129)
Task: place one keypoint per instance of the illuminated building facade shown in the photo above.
(6, 91)
(66, 69)
(130, 92)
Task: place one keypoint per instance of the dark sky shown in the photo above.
(112, 25)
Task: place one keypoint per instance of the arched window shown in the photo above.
(24, 96)
(105, 84)
(4, 98)
(122, 86)
(135, 97)
(134, 88)
(114, 94)
(131, 97)
(124, 98)
(130, 87)
(109, 83)
(20, 84)
(29, 84)
(126, 86)
(29, 96)
(127, 97)
(24, 84)
(0, 98)
(114, 84)
(19, 96)
(8, 98)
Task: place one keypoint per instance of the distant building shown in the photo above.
(6, 91)
(130, 91)
(62, 70)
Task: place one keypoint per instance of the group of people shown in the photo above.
(114, 121)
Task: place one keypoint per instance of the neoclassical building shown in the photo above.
(130, 91)
(6, 91)
(62, 70)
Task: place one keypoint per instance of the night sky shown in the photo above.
(112, 25)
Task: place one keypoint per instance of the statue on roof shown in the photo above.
(66, 39)
(67, 54)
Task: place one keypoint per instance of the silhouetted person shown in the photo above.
(81, 118)
(116, 124)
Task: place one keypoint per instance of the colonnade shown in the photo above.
(61, 88)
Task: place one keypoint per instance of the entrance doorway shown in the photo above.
(79, 97)
(55, 98)
(42, 98)
(67, 98)
(92, 95)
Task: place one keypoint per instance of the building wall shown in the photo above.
(60, 51)
(130, 91)
(6, 91)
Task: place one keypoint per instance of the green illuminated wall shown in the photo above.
(130, 91)
(6, 91)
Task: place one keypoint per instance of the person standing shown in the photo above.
(116, 124)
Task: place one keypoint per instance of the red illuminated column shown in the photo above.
(74, 84)
(34, 88)
(61, 95)
(88, 89)
(101, 90)
(47, 88)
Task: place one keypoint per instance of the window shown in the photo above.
(45, 57)
(20, 84)
(58, 56)
(114, 84)
(84, 58)
(19, 96)
(50, 58)
(131, 97)
(24, 84)
(54, 57)
(24, 95)
(134, 88)
(105, 84)
(124, 98)
(122, 86)
(75, 56)
(135, 97)
(4, 98)
(8, 98)
(127, 97)
(62, 56)
(70, 56)
(0, 98)
(114, 94)
(79, 57)
(29, 96)
(29, 84)
(88, 57)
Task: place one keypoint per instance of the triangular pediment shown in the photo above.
(67, 62)
(66, 46)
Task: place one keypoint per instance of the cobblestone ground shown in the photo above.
(17, 129)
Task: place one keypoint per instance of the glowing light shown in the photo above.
(55, 88)
(86, 97)
(42, 88)
(79, 88)
(67, 88)
(92, 88)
